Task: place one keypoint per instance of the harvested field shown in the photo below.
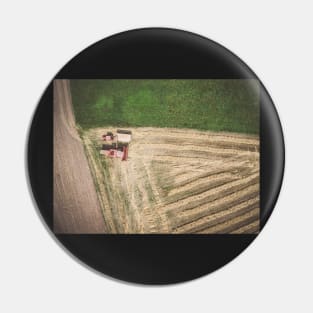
(178, 181)
(75, 202)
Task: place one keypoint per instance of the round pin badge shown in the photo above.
(155, 156)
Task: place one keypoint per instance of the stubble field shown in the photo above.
(178, 181)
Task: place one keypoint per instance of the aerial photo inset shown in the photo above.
(156, 156)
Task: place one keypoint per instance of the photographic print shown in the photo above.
(156, 156)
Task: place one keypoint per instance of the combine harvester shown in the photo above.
(118, 146)
(109, 136)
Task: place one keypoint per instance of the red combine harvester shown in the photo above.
(115, 151)
(108, 136)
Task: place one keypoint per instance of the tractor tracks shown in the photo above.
(182, 181)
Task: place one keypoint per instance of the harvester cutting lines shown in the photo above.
(179, 181)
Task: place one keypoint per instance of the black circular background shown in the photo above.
(154, 53)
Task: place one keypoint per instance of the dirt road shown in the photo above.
(76, 205)
(178, 181)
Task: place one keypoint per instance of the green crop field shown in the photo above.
(217, 105)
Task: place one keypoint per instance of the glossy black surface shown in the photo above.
(154, 53)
